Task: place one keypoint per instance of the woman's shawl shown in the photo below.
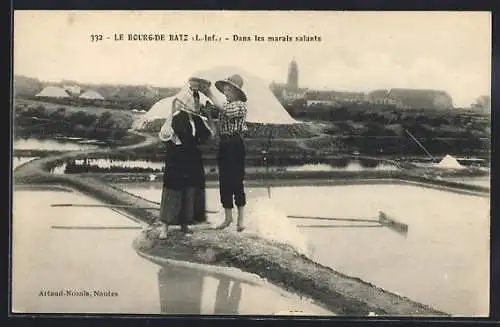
(183, 101)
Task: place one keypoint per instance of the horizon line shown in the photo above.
(270, 84)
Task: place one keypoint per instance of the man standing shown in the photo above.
(231, 156)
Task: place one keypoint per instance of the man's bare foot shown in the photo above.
(241, 211)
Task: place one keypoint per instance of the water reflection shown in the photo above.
(54, 144)
(17, 161)
(181, 292)
(111, 165)
(351, 166)
(228, 298)
(186, 290)
(92, 165)
(123, 166)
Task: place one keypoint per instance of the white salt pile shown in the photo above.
(311, 167)
(263, 106)
(449, 162)
(264, 219)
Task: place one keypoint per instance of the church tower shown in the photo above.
(293, 76)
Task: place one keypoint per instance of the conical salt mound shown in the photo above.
(449, 162)
(263, 107)
(53, 92)
(91, 94)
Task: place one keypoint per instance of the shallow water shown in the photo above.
(50, 144)
(157, 166)
(90, 249)
(200, 292)
(443, 261)
(17, 161)
(351, 166)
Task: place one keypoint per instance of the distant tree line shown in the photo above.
(382, 129)
(120, 104)
(31, 120)
(389, 121)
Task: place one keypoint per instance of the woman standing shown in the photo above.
(184, 173)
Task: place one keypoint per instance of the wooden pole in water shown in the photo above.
(336, 219)
(101, 206)
(420, 144)
(266, 157)
(383, 220)
(338, 226)
(97, 227)
(110, 206)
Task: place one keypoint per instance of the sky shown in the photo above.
(358, 51)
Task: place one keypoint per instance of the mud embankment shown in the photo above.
(284, 267)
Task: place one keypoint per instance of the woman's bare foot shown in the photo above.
(163, 231)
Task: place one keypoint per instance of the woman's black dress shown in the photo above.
(184, 164)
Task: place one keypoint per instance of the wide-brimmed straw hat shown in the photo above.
(236, 81)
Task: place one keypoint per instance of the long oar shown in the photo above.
(96, 227)
(339, 226)
(110, 206)
(383, 220)
(100, 206)
(335, 219)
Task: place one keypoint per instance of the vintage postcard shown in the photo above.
(251, 163)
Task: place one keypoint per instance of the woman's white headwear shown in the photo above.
(184, 101)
